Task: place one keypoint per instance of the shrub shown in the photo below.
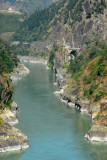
(80, 57)
(87, 93)
(88, 80)
(98, 116)
(1, 88)
(105, 106)
(94, 52)
(104, 53)
(1, 122)
(87, 41)
(100, 94)
(94, 86)
(100, 69)
(7, 58)
(51, 58)
(9, 102)
(8, 106)
(85, 78)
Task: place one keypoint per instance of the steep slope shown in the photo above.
(10, 137)
(8, 61)
(14, 12)
(73, 36)
(75, 16)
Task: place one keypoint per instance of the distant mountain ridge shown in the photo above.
(24, 5)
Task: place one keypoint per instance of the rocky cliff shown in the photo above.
(75, 41)
(76, 23)
(10, 138)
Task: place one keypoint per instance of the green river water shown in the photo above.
(55, 131)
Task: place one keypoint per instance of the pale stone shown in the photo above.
(9, 117)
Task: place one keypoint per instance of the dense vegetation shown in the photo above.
(7, 62)
(7, 58)
(80, 62)
(93, 61)
(52, 56)
(21, 49)
(9, 22)
(38, 24)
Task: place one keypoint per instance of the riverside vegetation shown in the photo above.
(10, 138)
(72, 35)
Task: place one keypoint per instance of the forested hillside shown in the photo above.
(13, 13)
(8, 61)
(72, 34)
(10, 137)
(10, 22)
(38, 24)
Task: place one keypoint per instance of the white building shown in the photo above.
(10, 9)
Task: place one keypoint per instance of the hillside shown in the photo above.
(72, 35)
(8, 61)
(77, 16)
(10, 23)
(24, 5)
(10, 137)
(14, 12)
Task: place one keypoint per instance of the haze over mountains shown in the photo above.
(71, 35)
(24, 5)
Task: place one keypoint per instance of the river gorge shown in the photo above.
(55, 131)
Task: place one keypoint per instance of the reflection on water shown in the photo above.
(55, 131)
(12, 155)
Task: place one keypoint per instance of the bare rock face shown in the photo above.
(8, 117)
(93, 24)
(97, 133)
(5, 91)
(14, 108)
(19, 72)
(37, 48)
(12, 139)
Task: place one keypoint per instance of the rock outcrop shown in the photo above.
(19, 72)
(11, 139)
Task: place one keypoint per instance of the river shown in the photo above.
(55, 131)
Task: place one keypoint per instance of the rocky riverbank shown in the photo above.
(68, 92)
(32, 59)
(11, 138)
(19, 72)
